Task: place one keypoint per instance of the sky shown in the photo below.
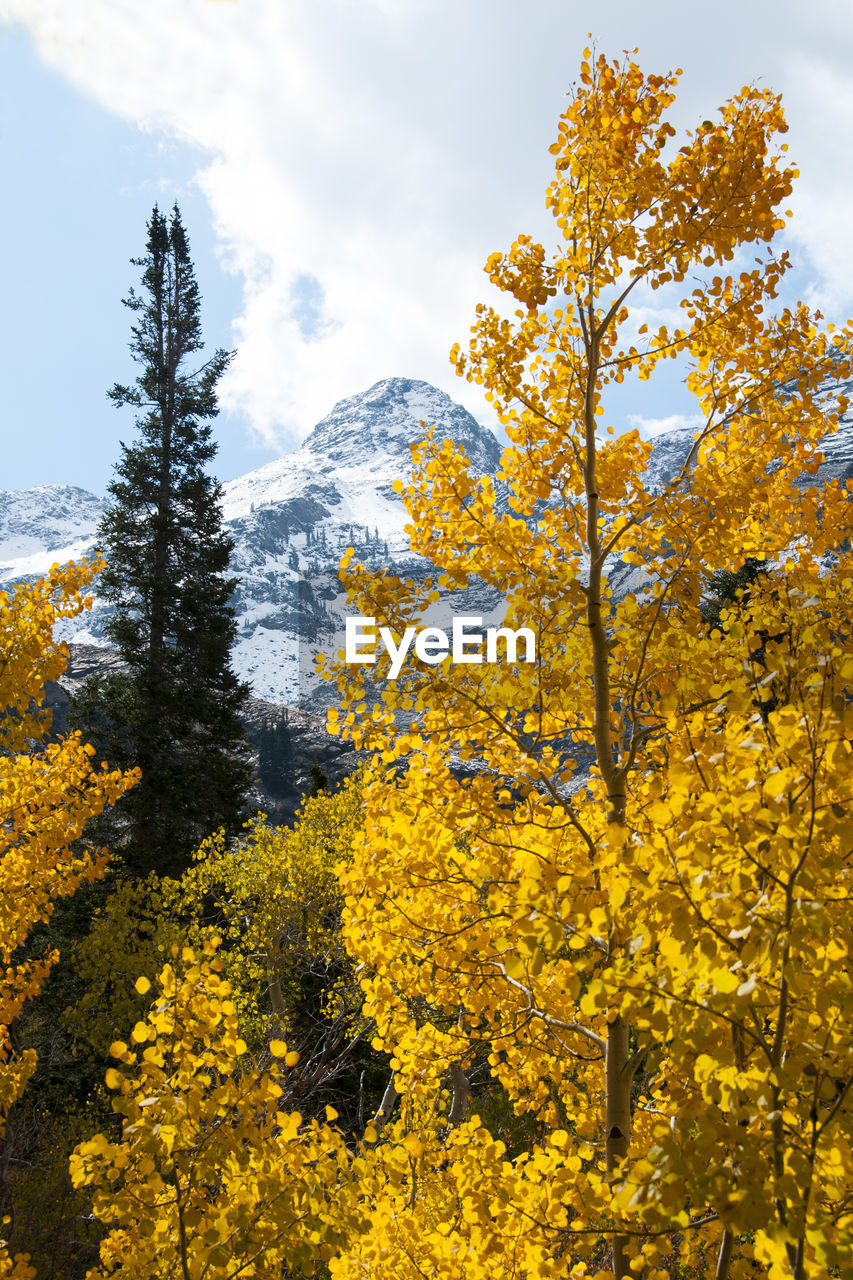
(344, 168)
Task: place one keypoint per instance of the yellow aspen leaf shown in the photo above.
(413, 1145)
(776, 783)
(724, 981)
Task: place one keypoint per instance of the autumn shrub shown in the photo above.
(209, 1177)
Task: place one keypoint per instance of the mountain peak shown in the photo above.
(387, 418)
(47, 517)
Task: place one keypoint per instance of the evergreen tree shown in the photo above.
(265, 750)
(727, 586)
(318, 781)
(177, 708)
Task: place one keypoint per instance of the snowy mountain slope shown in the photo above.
(292, 519)
(358, 450)
(48, 523)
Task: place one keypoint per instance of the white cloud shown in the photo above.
(318, 170)
(380, 149)
(821, 104)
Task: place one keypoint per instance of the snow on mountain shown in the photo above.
(52, 522)
(292, 519)
(353, 456)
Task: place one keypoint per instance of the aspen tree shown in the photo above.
(210, 1177)
(654, 953)
(48, 791)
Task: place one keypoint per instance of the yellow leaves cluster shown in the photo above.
(275, 901)
(718, 921)
(17, 1268)
(49, 791)
(131, 933)
(279, 902)
(31, 656)
(209, 1177)
(751, 912)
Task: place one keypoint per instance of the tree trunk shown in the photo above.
(461, 1094)
(386, 1106)
(618, 1075)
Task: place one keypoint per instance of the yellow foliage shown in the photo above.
(272, 894)
(209, 1177)
(49, 791)
(17, 1268)
(212, 1176)
(130, 934)
(654, 957)
(278, 903)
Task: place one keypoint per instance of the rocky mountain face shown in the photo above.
(308, 743)
(38, 526)
(292, 519)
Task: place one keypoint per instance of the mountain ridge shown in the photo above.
(293, 518)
